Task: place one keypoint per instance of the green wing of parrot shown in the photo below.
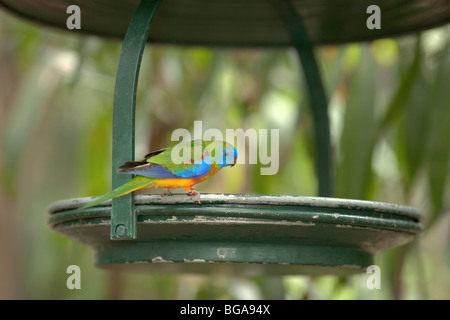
(193, 163)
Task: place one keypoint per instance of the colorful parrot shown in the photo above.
(200, 160)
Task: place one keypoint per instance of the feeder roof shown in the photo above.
(250, 23)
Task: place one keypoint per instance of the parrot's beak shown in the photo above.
(234, 162)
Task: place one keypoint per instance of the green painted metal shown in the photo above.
(319, 104)
(123, 217)
(246, 234)
(246, 23)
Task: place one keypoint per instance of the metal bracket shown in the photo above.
(123, 215)
(317, 97)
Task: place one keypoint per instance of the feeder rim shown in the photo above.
(250, 199)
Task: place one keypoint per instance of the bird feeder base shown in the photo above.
(241, 234)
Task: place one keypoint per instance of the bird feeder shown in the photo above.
(246, 234)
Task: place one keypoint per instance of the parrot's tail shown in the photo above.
(138, 182)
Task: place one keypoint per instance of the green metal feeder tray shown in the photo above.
(241, 234)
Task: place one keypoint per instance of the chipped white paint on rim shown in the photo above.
(196, 261)
(160, 259)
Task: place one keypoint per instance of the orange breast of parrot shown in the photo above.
(185, 183)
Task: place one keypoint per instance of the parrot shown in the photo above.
(203, 159)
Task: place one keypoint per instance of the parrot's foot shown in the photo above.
(166, 192)
(193, 193)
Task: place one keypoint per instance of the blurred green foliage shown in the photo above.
(390, 123)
